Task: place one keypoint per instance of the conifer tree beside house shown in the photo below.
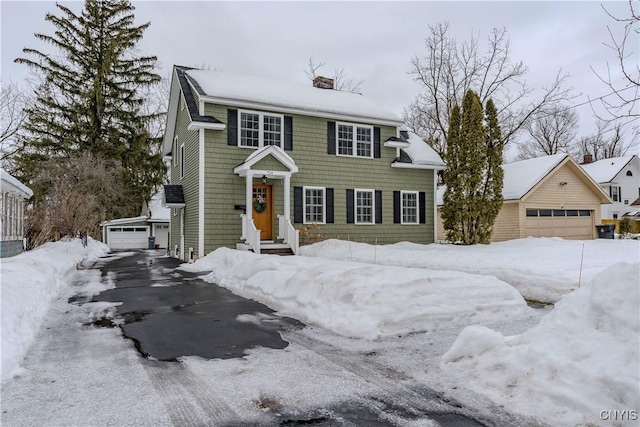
(90, 104)
(474, 175)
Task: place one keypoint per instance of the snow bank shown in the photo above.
(580, 360)
(543, 269)
(29, 283)
(361, 300)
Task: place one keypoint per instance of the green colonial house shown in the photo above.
(255, 161)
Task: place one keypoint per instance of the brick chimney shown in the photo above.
(323, 82)
(588, 158)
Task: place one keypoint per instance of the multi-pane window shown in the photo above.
(409, 207)
(12, 216)
(615, 194)
(364, 206)
(354, 137)
(260, 129)
(314, 205)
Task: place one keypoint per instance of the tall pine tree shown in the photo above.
(90, 100)
(474, 175)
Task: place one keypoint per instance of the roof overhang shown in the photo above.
(402, 165)
(396, 143)
(269, 150)
(173, 197)
(194, 125)
(121, 221)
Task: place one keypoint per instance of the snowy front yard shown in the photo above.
(443, 315)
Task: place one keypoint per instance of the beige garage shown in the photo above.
(548, 196)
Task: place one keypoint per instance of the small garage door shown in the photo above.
(566, 223)
(128, 238)
(161, 232)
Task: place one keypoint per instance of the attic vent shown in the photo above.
(323, 82)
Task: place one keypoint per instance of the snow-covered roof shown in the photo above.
(606, 170)
(227, 87)
(521, 176)
(421, 153)
(10, 182)
(124, 220)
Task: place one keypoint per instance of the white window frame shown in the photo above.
(261, 115)
(175, 151)
(354, 139)
(324, 205)
(355, 206)
(402, 207)
(615, 193)
(182, 161)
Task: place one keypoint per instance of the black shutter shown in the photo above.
(378, 207)
(421, 207)
(288, 133)
(619, 194)
(297, 205)
(350, 207)
(331, 137)
(397, 209)
(329, 204)
(232, 127)
(376, 142)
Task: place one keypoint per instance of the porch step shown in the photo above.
(286, 251)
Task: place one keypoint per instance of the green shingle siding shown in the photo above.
(224, 189)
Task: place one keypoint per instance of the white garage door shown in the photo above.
(128, 237)
(566, 223)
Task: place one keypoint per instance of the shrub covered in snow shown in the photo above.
(583, 357)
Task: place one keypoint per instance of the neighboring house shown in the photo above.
(253, 161)
(548, 196)
(134, 233)
(12, 199)
(620, 178)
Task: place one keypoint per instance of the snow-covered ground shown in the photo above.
(362, 300)
(541, 269)
(30, 282)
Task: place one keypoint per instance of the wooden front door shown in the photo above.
(263, 220)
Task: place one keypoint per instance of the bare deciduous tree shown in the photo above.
(550, 133)
(13, 102)
(625, 94)
(341, 81)
(450, 68)
(608, 141)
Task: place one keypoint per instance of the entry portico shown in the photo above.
(251, 170)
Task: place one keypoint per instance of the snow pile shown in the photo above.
(580, 360)
(30, 281)
(542, 269)
(361, 300)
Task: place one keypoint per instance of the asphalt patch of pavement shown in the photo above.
(169, 314)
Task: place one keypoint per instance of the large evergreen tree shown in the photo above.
(90, 101)
(474, 175)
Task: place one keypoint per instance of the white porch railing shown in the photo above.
(288, 233)
(250, 234)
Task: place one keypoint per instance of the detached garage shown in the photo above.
(548, 196)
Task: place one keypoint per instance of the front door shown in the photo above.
(262, 206)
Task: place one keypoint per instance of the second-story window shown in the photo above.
(354, 140)
(260, 129)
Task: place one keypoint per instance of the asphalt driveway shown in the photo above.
(170, 313)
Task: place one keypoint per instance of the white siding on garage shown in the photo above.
(122, 237)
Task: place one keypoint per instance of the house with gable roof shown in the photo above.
(13, 195)
(620, 178)
(253, 161)
(549, 196)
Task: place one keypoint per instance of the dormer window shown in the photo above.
(259, 129)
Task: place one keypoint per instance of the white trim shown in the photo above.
(304, 205)
(273, 150)
(396, 144)
(354, 140)
(355, 206)
(289, 110)
(181, 161)
(417, 194)
(402, 165)
(201, 193)
(172, 112)
(261, 115)
(193, 126)
(175, 148)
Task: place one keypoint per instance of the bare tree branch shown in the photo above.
(341, 81)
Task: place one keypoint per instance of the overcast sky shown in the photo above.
(373, 42)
